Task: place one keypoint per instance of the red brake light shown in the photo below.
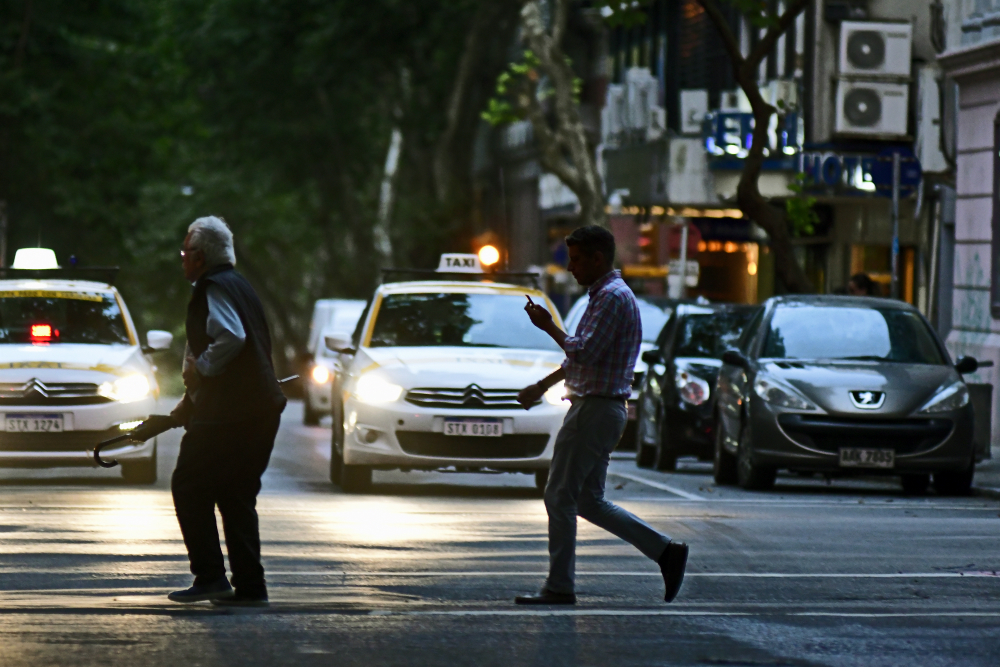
(41, 332)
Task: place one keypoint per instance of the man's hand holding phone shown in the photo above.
(540, 317)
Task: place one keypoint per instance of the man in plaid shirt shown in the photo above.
(598, 375)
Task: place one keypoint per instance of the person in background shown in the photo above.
(861, 284)
(598, 375)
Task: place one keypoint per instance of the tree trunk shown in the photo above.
(753, 204)
(562, 144)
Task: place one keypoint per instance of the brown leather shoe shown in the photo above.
(545, 596)
(672, 564)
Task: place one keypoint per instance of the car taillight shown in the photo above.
(41, 333)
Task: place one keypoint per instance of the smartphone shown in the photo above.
(529, 300)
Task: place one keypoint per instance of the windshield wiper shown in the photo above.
(864, 357)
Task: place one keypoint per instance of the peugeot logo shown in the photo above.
(867, 400)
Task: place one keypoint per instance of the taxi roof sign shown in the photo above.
(35, 258)
(456, 262)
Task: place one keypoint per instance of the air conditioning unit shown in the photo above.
(734, 101)
(694, 106)
(613, 115)
(870, 49)
(872, 108)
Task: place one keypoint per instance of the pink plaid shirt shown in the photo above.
(601, 356)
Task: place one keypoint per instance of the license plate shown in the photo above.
(478, 428)
(867, 458)
(34, 423)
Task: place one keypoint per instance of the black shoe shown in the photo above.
(545, 596)
(217, 590)
(672, 564)
(244, 600)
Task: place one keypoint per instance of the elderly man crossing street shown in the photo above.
(598, 373)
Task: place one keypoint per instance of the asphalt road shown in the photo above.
(423, 571)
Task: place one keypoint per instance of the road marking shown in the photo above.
(657, 485)
(684, 612)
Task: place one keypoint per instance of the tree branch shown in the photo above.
(725, 32)
(765, 45)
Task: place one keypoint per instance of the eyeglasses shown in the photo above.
(185, 253)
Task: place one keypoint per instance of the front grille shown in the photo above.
(829, 434)
(36, 392)
(516, 446)
(472, 397)
(67, 441)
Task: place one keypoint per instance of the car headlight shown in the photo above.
(952, 397)
(320, 374)
(555, 394)
(780, 394)
(373, 389)
(127, 389)
(691, 388)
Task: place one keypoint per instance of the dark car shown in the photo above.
(676, 398)
(654, 312)
(844, 385)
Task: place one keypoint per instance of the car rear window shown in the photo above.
(708, 335)
(830, 332)
(51, 317)
(457, 319)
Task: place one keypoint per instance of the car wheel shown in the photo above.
(645, 453)
(355, 479)
(951, 483)
(666, 449)
(141, 472)
(541, 479)
(724, 463)
(337, 446)
(915, 485)
(310, 417)
(752, 475)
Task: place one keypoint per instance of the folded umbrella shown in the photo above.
(151, 427)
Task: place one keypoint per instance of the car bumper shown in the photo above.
(85, 426)
(401, 435)
(812, 442)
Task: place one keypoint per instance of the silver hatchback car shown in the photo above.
(842, 385)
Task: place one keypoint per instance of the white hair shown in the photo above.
(212, 236)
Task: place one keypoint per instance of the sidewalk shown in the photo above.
(987, 480)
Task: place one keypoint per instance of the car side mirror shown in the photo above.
(966, 365)
(651, 357)
(735, 358)
(157, 340)
(340, 344)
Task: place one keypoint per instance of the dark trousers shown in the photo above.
(220, 465)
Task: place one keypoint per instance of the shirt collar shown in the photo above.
(604, 280)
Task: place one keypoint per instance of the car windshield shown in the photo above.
(49, 317)
(651, 316)
(876, 334)
(710, 334)
(457, 319)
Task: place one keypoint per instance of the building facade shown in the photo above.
(970, 63)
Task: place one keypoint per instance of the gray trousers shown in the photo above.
(577, 475)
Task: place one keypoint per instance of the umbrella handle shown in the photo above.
(97, 451)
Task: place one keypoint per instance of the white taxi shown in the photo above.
(431, 378)
(72, 372)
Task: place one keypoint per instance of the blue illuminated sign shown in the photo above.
(730, 134)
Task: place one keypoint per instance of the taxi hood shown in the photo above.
(67, 362)
(490, 368)
(829, 384)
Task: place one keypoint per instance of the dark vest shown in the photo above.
(247, 389)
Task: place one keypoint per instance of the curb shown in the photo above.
(986, 492)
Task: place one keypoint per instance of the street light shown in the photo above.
(488, 255)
